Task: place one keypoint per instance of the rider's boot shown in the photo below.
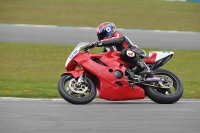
(147, 72)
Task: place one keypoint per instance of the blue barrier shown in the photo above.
(185, 0)
(193, 0)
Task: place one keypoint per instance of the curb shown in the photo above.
(185, 100)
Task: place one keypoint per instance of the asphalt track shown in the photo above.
(57, 116)
(100, 116)
(73, 35)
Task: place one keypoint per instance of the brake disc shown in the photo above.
(166, 81)
(77, 87)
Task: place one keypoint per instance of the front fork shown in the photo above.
(79, 75)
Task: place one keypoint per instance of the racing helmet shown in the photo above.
(105, 29)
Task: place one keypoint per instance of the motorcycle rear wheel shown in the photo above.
(158, 94)
(82, 95)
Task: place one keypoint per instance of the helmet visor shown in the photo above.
(101, 35)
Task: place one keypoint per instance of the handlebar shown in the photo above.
(86, 49)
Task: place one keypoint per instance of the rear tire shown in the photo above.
(158, 96)
(71, 96)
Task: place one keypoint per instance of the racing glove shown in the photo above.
(91, 45)
(94, 44)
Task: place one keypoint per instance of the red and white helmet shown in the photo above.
(105, 29)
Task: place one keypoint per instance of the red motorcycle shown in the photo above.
(107, 76)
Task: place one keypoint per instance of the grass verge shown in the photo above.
(141, 14)
(33, 70)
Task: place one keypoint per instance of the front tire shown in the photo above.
(69, 91)
(159, 95)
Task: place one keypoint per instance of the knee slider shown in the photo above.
(130, 53)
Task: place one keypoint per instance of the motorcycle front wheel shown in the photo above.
(165, 95)
(76, 92)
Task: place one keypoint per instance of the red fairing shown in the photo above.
(151, 59)
(115, 93)
(109, 87)
(72, 65)
(110, 90)
(75, 73)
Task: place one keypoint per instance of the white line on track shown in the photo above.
(92, 28)
(96, 100)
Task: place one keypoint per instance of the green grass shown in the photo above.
(33, 70)
(141, 14)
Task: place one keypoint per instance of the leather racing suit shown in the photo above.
(121, 43)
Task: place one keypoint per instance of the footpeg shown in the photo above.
(130, 73)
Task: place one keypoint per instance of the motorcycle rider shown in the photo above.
(111, 39)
